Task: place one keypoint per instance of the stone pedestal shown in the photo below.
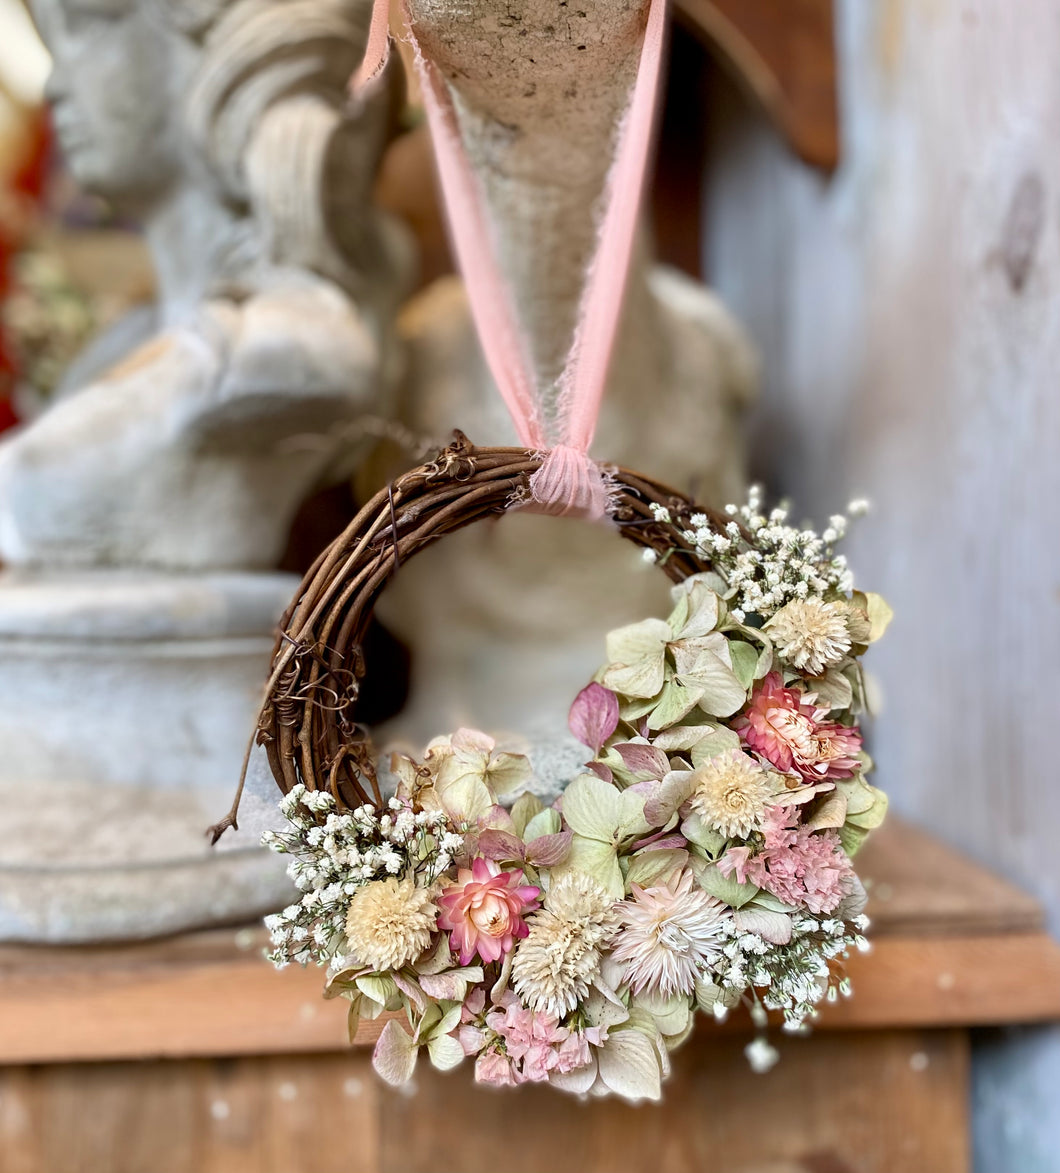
(126, 702)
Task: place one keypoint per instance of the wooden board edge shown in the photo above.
(248, 1008)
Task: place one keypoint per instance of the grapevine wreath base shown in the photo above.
(701, 860)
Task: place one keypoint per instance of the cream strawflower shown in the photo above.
(390, 922)
(669, 936)
(558, 962)
(731, 793)
(810, 634)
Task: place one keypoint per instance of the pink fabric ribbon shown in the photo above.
(569, 481)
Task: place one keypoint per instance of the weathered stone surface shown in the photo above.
(126, 704)
(130, 669)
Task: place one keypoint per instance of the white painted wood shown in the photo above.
(910, 323)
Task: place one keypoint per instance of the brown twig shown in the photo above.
(306, 722)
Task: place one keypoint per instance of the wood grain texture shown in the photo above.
(873, 1103)
(907, 318)
(838, 1104)
(289, 1114)
(918, 886)
(783, 54)
(954, 945)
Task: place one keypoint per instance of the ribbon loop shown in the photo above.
(569, 482)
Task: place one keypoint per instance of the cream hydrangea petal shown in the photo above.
(629, 1066)
(717, 741)
(687, 652)
(593, 808)
(656, 867)
(577, 1082)
(595, 859)
(466, 798)
(679, 698)
(445, 1052)
(880, 615)
(698, 607)
(507, 772)
(722, 693)
(774, 927)
(632, 821)
(545, 822)
(637, 658)
(394, 1057)
(671, 1015)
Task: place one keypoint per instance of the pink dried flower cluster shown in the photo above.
(483, 911)
(801, 867)
(784, 727)
(518, 1045)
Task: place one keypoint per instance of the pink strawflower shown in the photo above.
(483, 911)
(784, 727)
(808, 869)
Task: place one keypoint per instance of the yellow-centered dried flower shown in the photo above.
(810, 634)
(731, 793)
(390, 922)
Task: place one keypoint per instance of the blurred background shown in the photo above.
(869, 191)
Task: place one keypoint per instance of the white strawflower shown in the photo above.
(390, 922)
(810, 634)
(669, 936)
(555, 965)
(731, 793)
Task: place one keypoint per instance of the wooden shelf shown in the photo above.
(953, 946)
(782, 53)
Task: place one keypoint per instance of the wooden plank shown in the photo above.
(967, 981)
(953, 945)
(866, 1102)
(918, 885)
(873, 1103)
(783, 54)
(291, 1114)
(248, 1008)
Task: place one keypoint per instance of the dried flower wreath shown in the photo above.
(703, 858)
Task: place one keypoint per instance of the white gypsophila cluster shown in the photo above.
(332, 859)
(768, 562)
(795, 977)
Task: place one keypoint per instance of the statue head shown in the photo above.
(246, 98)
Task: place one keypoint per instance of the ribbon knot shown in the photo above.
(570, 484)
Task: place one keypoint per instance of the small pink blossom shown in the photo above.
(573, 1053)
(493, 1067)
(534, 1044)
(483, 911)
(808, 869)
(471, 1036)
(784, 727)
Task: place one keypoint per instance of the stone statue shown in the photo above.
(140, 516)
(220, 127)
(518, 628)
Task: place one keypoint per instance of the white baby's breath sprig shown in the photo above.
(792, 978)
(769, 562)
(332, 859)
